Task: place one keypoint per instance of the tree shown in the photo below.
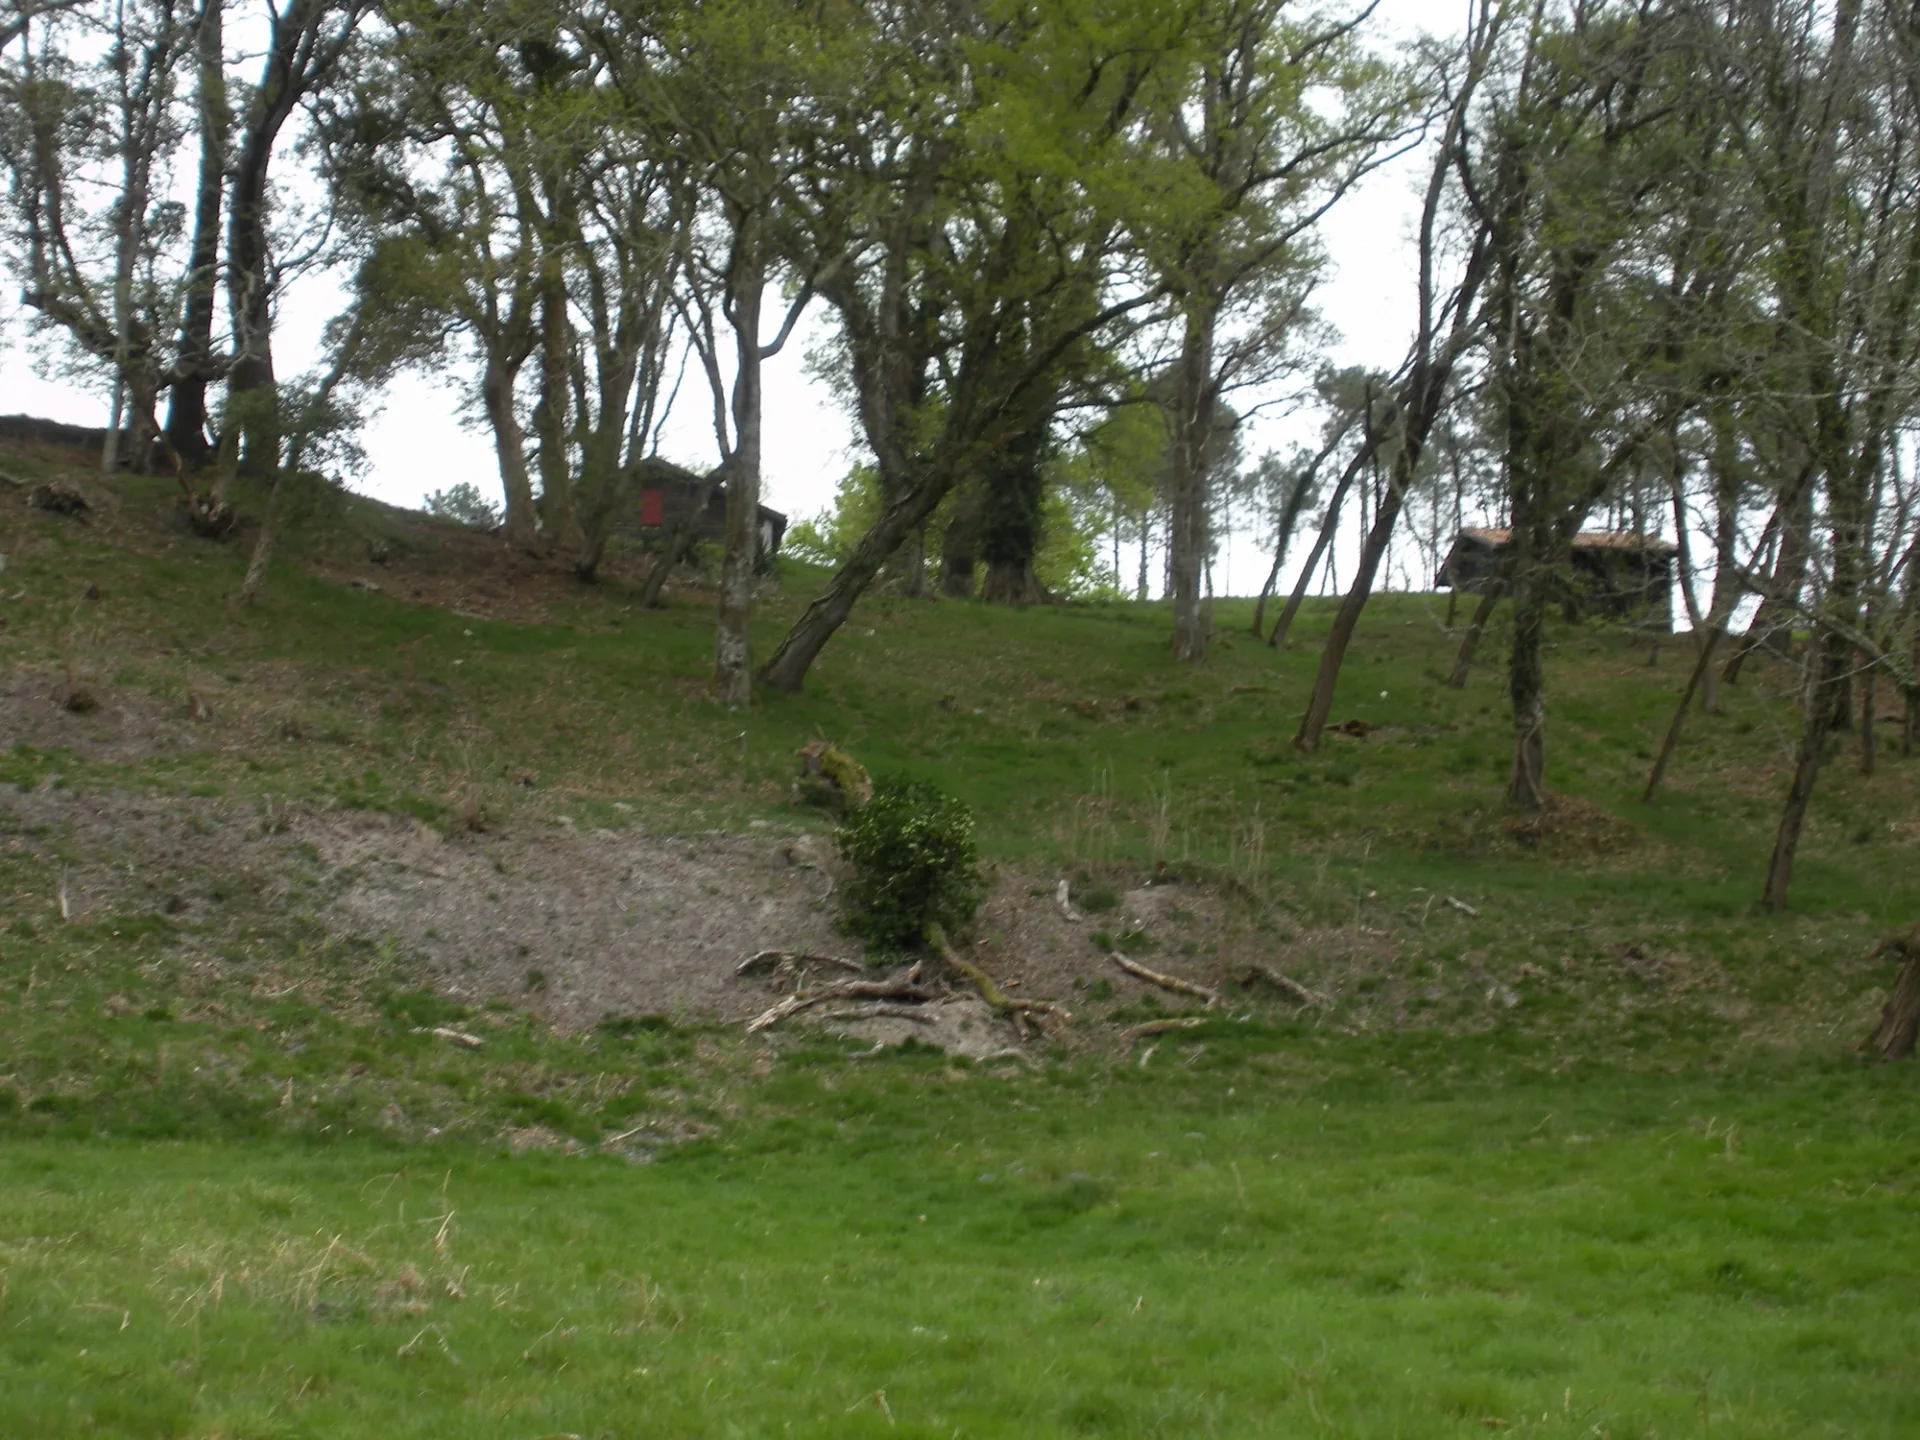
(1445, 327)
(1833, 109)
(1274, 120)
(99, 270)
(977, 289)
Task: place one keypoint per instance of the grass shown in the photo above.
(1272, 1238)
(1590, 1160)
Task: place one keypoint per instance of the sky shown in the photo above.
(418, 443)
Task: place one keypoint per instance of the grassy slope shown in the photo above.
(1537, 1213)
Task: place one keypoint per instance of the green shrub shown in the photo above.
(914, 865)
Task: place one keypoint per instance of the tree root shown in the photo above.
(1000, 1002)
(1165, 982)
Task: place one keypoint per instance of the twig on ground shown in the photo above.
(452, 1037)
(1165, 982)
(1285, 984)
(1463, 907)
(774, 957)
(1161, 1027)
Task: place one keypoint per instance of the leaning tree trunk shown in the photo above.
(1320, 704)
(1893, 1038)
(1702, 673)
(1831, 659)
(1329, 527)
(787, 668)
(1476, 630)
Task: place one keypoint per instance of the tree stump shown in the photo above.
(1893, 1038)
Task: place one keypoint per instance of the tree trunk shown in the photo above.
(1702, 671)
(1526, 682)
(187, 400)
(915, 587)
(256, 580)
(1188, 537)
(787, 668)
(550, 412)
(509, 448)
(679, 540)
(1868, 715)
(960, 545)
(1329, 527)
(1830, 659)
(1772, 626)
(1347, 619)
(732, 644)
(1010, 531)
(1893, 1038)
(1476, 628)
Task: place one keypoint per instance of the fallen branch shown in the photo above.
(1009, 1054)
(1161, 1027)
(1285, 984)
(1463, 907)
(844, 990)
(991, 993)
(879, 1012)
(1165, 982)
(764, 958)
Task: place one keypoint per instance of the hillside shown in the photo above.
(435, 859)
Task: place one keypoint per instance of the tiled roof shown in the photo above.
(1585, 540)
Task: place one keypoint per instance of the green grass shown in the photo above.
(1647, 1194)
(1273, 1239)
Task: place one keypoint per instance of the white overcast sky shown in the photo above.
(418, 444)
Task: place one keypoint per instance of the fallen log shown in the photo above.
(1165, 982)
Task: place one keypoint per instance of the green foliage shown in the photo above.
(464, 502)
(915, 865)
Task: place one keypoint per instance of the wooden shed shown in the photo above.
(1617, 574)
(666, 494)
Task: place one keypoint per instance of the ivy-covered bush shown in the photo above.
(914, 865)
